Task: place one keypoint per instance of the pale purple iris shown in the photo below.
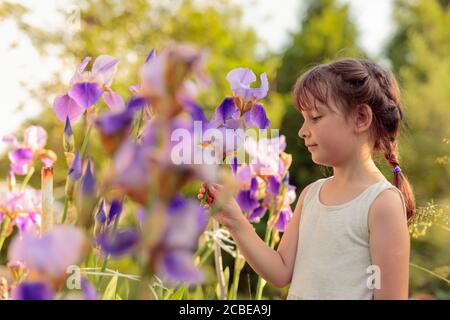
(51, 254)
(247, 198)
(181, 151)
(27, 221)
(240, 80)
(33, 290)
(21, 160)
(24, 206)
(22, 154)
(131, 169)
(86, 88)
(139, 98)
(186, 221)
(118, 243)
(286, 210)
(167, 72)
(231, 125)
(265, 154)
(111, 123)
(35, 137)
(227, 113)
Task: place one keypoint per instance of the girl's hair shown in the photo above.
(351, 83)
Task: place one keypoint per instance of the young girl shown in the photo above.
(348, 238)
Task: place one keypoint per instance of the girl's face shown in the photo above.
(328, 136)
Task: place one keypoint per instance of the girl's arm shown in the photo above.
(274, 266)
(390, 245)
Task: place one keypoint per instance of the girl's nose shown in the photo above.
(303, 132)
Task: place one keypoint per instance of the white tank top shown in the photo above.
(333, 252)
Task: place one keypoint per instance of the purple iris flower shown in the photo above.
(68, 128)
(33, 290)
(240, 80)
(21, 160)
(283, 219)
(24, 207)
(34, 141)
(273, 185)
(167, 73)
(265, 154)
(89, 292)
(131, 170)
(88, 87)
(139, 98)
(247, 199)
(51, 254)
(180, 267)
(227, 113)
(75, 171)
(88, 182)
(234, 165)
(100, 216)
(111, 123)
(66, 107)
(186, 221)
(257, 116)
(257, 214)
(118, 243)
(35, 137)
(114, 210)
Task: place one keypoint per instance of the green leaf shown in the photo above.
(226, 275)
(110, 291)
(198, 294)
(178, 295)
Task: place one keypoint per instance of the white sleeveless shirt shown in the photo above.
(333, 252)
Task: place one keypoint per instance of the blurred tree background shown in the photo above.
(418, 52)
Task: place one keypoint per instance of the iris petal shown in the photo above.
(66, 107)
(85, 94)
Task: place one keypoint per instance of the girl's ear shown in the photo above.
(363, 118)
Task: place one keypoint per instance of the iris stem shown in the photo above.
(219, 264)
(238, 266)
(85, 142)
(430, 272)
(261, 282)
(27, 179)
(66, 207)
(206, 255)
(106, 260)
(141, 118)
(217, 256)
(4, 231)
(82, 151)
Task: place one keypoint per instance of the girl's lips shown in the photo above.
(311, 146)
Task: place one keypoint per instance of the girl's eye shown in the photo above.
(315, 119)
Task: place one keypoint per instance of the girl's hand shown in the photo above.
(229, 213)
